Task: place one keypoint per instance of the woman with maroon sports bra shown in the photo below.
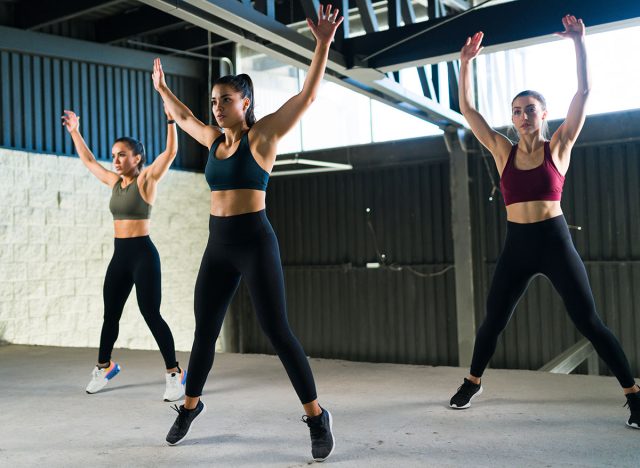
(538, 241)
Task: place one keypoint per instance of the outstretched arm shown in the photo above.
(274, 126)
(496, 143)
(198, 130)
(161, 165)
(71, 122)
(568, 132)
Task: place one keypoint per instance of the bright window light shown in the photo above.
(551, 70)
(389, 123)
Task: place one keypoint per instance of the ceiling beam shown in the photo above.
(187, 37)
(35, 14)
(506, 26)
(48, 45)
(248, 27)
(139, 22)
(367, 16)
(459, 5)
(310, 8)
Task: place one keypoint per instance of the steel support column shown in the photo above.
(462, 248)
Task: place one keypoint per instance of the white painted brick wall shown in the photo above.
(56, 240)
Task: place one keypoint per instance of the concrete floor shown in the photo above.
(384, 415)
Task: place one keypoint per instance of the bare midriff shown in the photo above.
(533, 211)
(126, 228)
(237, 201)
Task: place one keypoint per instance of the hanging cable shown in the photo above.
(383, 261)
(494, 187)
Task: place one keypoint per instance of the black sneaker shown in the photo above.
(322, 441)
(182, 424)
(466, 392)
(633, 402)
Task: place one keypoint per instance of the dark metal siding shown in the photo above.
(337, 307)
(601, 195)
(112, 102)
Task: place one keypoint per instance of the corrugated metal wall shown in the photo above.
(342, 311)
(112, 102)
(339, 308)
(602, 196)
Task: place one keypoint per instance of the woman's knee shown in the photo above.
(281, 339)
(493, 324)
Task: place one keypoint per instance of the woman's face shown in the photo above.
(228, 105)
(527, 115)
(124, 161)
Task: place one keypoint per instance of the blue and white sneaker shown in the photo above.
(101, 377)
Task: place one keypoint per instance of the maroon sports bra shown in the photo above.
(540, 183)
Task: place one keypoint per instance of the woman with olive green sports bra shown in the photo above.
(135, 258)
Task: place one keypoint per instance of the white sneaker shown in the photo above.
(174, 389)
(101, 377)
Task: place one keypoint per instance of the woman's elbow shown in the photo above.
(308, 98)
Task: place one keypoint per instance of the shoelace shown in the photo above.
(182, 415)
(636, 404)
(315, 425)
(627, 405)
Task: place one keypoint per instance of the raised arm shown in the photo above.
(274, 126)
(71, 122)
(198, 130)
(160, 166)
(568, 132)
(496, 143)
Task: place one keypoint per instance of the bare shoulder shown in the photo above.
(560, 152)
(263, 146)
(501, 151)
(210, 134)
(111, 178)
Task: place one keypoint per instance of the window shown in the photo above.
(338, 117)
(551, 70)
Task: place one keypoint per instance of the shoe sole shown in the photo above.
(333, 439)
(204, 410)
(633, 425)
(479, 392)
(175, 399)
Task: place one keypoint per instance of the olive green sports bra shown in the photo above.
(127, 203)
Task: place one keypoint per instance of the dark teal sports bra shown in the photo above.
(238, 171)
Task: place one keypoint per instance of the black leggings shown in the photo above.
(135, 261)
(545, 248)
(244, 245)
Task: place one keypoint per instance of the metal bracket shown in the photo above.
(567, 361)
(320, 166)
(455, 136)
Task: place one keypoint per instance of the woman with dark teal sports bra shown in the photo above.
(242, 243)
(135, 258)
